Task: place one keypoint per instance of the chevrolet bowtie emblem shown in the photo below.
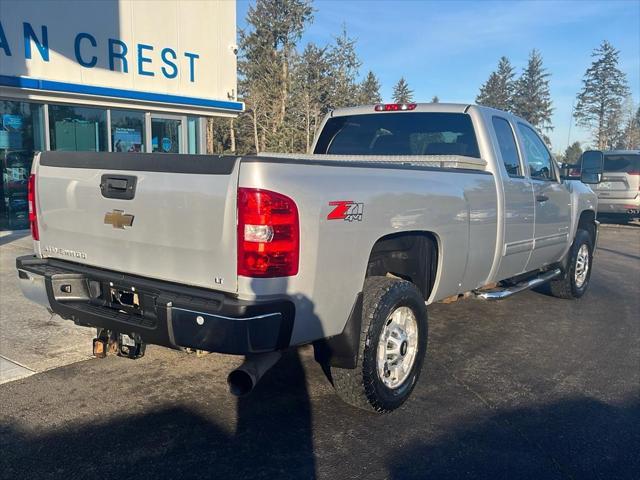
(118, 219)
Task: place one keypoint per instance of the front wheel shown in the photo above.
(575, 281)
(393, 344)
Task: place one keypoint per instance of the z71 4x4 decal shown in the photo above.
(346, 210)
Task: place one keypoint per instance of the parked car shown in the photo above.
(400, 206)
(619, 191)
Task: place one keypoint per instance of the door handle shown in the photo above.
(118, 184)
(122, 187)
(541, 198)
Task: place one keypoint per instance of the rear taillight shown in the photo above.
(33, 213)
(268, 234)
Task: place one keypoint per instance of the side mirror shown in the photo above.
(591, 166)
(569, 171)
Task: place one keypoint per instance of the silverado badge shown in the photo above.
(118, 219)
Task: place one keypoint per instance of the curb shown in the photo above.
(633, 226)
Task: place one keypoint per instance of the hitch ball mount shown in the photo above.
(121, 344)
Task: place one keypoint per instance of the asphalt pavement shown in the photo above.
(531, 387)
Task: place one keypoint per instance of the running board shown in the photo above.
(500, 293)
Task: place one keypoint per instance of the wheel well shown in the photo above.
(587, 222)
(412, 256)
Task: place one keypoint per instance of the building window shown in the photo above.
(21, 133)
(193, 134)
(74, 128)
(127, 131)
(166, 134)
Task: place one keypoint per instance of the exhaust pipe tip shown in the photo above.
(240, 383)
(243, 379)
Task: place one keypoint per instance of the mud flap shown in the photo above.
(342, 350)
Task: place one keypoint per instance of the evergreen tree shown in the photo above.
(369, 90)
(532, 99)
(499, 89)
(345, 65)
(401, 92)
(600, 101)
(267, 49)
(572, 153)
(435, 99)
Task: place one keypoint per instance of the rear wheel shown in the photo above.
(575, 281)
(392, 347)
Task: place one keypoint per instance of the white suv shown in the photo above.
(619, 191)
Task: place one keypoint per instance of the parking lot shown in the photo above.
(530, 387)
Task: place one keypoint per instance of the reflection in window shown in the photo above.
(507, 144)
(421, 133)
(127, 131)
(628, 163)
(166, 135)
(77, 128)
(538, 157)
(21, 133)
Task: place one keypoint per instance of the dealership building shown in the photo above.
(109, 76)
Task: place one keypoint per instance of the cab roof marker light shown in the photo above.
(393, 107)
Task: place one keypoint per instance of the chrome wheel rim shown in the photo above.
(397, 347)
(582, 266)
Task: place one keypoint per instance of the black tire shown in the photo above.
(566, 287)
(362, 387)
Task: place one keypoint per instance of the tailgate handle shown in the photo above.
(122, 187)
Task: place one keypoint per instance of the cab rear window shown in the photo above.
(622, 163)
(402, 133)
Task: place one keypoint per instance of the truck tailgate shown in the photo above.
(180, 225)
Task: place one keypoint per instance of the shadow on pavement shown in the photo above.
(575, 438)
(627, 255)
(273, 439)
(13, 236)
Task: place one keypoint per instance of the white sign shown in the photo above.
(173, 52)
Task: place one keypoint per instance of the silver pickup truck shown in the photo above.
(399, 206)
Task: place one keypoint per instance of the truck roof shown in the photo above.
(420, 107)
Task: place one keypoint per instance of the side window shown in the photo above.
(507, 144)
(538, 157)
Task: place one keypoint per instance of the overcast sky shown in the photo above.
(449, 48)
